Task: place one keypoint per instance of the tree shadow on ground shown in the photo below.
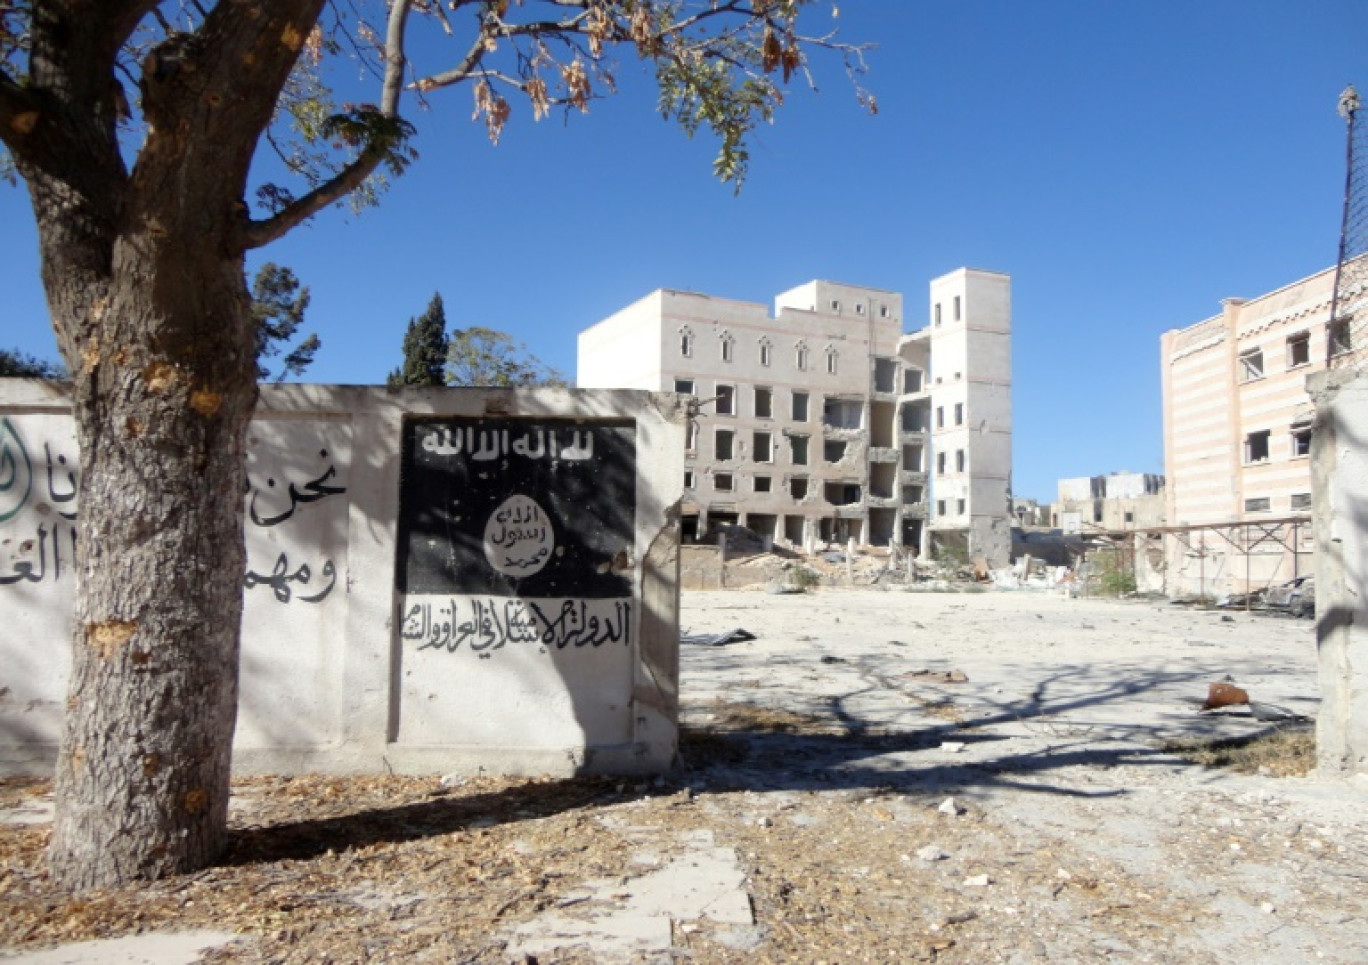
(834, 746)
(1074, 717)
(444, 813)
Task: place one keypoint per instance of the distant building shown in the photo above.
(1029, 512)
(824, 423)
(1237, 437)
(1112, 503)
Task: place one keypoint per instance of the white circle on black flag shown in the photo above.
(519, 538)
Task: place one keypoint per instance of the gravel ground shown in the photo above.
(950, 777)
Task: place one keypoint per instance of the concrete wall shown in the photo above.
(701, 567)
(343, 670)
(1340, 496)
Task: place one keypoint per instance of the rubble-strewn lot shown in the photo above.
(879, 776)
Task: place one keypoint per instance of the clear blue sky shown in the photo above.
(1129, 164)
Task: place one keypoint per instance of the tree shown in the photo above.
(278, 306)
(143, 201)
(485, 356)
(18, 365)
(425, 349)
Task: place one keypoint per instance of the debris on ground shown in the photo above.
(1296, 598)
(938, 676)
(1224, 694)
(737, 635)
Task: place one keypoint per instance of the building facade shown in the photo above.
(1237, 439)
(816, 424)
(1113, 503)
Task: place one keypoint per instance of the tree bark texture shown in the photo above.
(142, 777)
(144, 275)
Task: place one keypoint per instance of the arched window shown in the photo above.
(831, 361)
(766, 352)
(728, 347)
(800, 356)
(686, 342)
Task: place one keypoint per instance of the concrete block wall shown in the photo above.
(371, 640)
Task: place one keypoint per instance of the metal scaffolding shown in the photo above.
(1244, 536)
(1201, 541)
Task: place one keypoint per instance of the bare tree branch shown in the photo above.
(347, 180)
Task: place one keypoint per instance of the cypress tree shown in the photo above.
(425, 349)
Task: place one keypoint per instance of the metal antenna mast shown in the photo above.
(1348, 331)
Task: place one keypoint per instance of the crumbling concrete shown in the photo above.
(1339, 475)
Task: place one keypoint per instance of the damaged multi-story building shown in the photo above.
(1115, 503)
(1237, 438)
(823, 422)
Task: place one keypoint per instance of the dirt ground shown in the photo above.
(897, 776)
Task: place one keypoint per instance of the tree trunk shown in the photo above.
(162, 397)
(143, 271)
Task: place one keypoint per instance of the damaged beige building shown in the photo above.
(824, 423)
(1237, 439)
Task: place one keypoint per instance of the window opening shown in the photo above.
(724, 443)
(1298, 350)
(842, 493)
(1301, 439)
(762, 447)
(726, 400)
(842, 413)
(800, 407)
(764, 403)
(1341, 341)
(885, 375)
(1251, 363)
(723, 482)
(798, 447)
(1256, 446)
(762, 484)
(684, 386)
